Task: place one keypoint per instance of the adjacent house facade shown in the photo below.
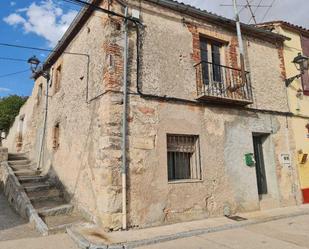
(202, 138)
(298, 94)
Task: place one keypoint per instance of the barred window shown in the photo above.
(183, 157)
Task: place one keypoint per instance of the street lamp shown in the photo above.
(34, 65)
(301, 62)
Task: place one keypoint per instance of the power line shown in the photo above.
(15, 73)
(250, 9)
(12, 59)
(39, 49)
(256, 9)
(271, 5)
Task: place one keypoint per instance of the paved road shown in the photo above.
(12, 226)
(291, 233)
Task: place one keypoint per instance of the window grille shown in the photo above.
(183, 157)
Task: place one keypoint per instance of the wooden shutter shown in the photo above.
(215, 51)
(204, 59)
(305, 76)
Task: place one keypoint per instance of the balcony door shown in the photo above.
(211, 61)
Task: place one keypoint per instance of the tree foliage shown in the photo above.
(9, 109)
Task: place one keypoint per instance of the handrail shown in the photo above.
(236, 69)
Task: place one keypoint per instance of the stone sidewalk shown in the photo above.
(12, 226)
(289, 233)
(94, 237)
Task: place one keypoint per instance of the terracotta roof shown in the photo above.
(288, 25)
(86, 11)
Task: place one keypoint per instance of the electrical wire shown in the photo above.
(271, 5)
(12, 59)
(255, 11)
(15, 73)
(39, 49)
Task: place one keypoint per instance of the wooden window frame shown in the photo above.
(183, 158)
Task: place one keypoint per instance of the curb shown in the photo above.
(83, 243)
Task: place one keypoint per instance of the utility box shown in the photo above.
(249, 159)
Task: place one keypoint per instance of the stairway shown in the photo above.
(45, 196)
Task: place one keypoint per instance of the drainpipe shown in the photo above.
(47, 77)
(124, 125)
(240, 44)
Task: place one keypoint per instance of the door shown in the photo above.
(204, 59)
(259, 165)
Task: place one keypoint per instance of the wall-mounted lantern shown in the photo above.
(301, 62)
(34, 65)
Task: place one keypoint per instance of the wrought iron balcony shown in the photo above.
(223, 84)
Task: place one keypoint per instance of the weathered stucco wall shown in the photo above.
(88, 159)
(225, 134)
(88, 156)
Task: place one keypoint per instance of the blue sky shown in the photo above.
(41, 23)
(27, 23)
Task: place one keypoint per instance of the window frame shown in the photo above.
(56, 136)
(57, 78)
(195, 165)
(209, 54)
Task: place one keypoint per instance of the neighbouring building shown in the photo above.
(195, 123)
(298, 94)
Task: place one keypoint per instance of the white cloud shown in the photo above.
(45, 19)
(2, 90)
(14, 19)
(12, 3)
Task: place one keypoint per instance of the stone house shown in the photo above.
(298, 94)
(193, 120)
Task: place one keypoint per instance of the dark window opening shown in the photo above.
(183, 157)
(56, 136)
(57, 78)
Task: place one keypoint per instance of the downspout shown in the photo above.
(124, 125)
(240, 45)
(44, 122)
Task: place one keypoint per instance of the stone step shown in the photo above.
(17, 156)
(21, 166)
(24, 179)
(26, 172)
(19, 162)
(36, 186)
(44, 195)
(63, 209)
(59, 224)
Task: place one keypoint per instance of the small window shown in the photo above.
(183, 157)
(57, 78)
(40, 93)
(56, 135)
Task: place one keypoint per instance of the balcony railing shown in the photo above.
(223, 84)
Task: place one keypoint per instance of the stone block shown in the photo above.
(3, 154)
(143, 143)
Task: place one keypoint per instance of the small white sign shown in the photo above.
(285, 159)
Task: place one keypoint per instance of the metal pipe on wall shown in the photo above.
(48, 78)
(124, 126)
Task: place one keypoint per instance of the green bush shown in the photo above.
(9, 109)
